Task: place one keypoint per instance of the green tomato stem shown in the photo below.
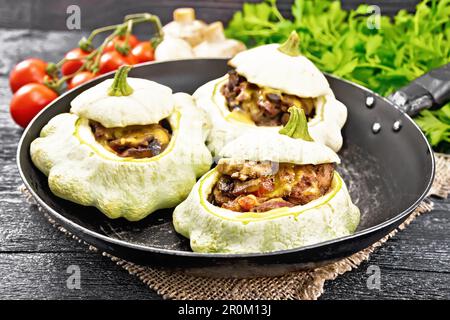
(92, 61)
(101, 30)
(86, 43)
(52, 68)
(297, 126)
(154, 20)
(98, 53)
(291, 46)
(129, 30)
(120, 86)
(125, 48)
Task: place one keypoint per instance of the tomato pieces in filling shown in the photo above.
(265, 106)
(133, 141)
(263, 186)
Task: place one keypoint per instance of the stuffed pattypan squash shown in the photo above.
(128, 147)
(256, 94)
(268, 192)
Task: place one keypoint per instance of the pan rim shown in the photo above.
(221, 256)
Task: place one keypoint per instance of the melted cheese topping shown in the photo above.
(133, 141)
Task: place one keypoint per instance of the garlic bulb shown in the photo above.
(216, 44)
(185, 26)
(173, 49)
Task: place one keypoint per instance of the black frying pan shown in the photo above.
(387, 164)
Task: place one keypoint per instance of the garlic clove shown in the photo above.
(173, 49)
(185, 26)
(216, 45)
(214, 32)
(223, 49)
(184, 15)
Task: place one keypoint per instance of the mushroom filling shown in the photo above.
(265, 106)
(134, 141)
(263, 186)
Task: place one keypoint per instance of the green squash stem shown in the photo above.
(120, 86)
(291, 46)
(297, 126)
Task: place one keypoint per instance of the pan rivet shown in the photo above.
(370, 101)
(376, 127)
(397, 125)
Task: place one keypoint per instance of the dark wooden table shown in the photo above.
(34, 257)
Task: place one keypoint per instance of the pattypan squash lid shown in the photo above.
(281, 67)
(123, 101)
(292, 144)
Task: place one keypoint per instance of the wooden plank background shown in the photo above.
(51, 14)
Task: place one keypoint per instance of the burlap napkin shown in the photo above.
(295, 285)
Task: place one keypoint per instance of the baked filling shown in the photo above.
(265, 106)
(134, 141)
(251, 186)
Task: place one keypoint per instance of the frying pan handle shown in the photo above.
(430, 90)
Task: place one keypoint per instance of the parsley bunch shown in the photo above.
(346, 44)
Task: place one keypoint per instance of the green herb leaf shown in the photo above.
(436, 125)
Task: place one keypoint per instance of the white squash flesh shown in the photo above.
(267, 66)
(217, 230)
(214, 229)
(150, 102)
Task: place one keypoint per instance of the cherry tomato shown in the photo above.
(120, 40)
(28, 101)
(112, 60)
(80, 78)
(27, 71)
(143, 52)
(76, 58)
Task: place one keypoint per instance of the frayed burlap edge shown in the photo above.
(441, 186)
(304, 285)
